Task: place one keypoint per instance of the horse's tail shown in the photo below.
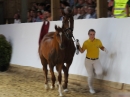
(44, 30)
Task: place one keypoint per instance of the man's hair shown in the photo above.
(91, 30)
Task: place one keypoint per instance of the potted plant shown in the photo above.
(5, 53)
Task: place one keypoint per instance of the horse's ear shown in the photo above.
(63, 13)
(56, 28)
(72, 13)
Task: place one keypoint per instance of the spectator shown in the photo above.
(81, 3)
(83, 14)
(71, 2)
(121, 9)
(41, 7)
(86, 11)
(17, 18)
(47, 7)
(75, 3)
(34, 17)
(35, 5)
(30, 16)
(110, 7)
(39, 16)
(61, 14)
(76, 14)
(47, 16)
(91, 13)
(91, 3)
(44, 16)
(64, 4)
(79, 10)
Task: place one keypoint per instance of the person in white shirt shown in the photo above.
(17, 18)
(76, 14)
(91, 13)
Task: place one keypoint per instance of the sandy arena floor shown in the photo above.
(26, 83)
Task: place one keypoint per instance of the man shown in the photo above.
(75, 12)
(121, 8)
(83, 14)
(91, 13)
(92, 62)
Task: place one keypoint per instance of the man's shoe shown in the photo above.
(92, 91)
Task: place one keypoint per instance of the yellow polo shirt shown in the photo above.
(92, 48)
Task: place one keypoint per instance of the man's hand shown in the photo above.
(106, 50)
(77, 44)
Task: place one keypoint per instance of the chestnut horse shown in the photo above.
(52, 53)
(57, 48)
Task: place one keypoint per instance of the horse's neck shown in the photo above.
(65, 27)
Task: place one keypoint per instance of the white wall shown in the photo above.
(114, 34)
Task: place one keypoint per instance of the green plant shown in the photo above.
(5, 52)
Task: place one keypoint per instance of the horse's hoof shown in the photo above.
(65, 90)
(61, 95)
(46, 86)
(51, 87)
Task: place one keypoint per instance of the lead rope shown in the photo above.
(76, 44)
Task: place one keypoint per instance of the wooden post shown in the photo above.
(24, 8)
(55, 9)
(1, 12)
(102, 8)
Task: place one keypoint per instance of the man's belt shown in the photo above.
(92, 58)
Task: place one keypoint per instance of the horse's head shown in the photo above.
(66, 26)
(60, 37)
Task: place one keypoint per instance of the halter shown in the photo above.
(65, 31)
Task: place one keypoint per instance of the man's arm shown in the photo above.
(104, 49)
(81, 49)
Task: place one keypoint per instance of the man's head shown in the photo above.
(86, 9)
(91, 10)
(41, 6)
(91, 34)
(75, 10)
(82, 11)
(81, 2)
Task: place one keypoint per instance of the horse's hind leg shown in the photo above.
(59, 69)
(53, 78)
(44, 63)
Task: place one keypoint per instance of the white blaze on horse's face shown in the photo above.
(60, 36)
(61, 40)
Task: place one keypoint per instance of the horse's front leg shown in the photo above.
(59, 69)
(65, 78)
(53, 78)
(66, 75)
